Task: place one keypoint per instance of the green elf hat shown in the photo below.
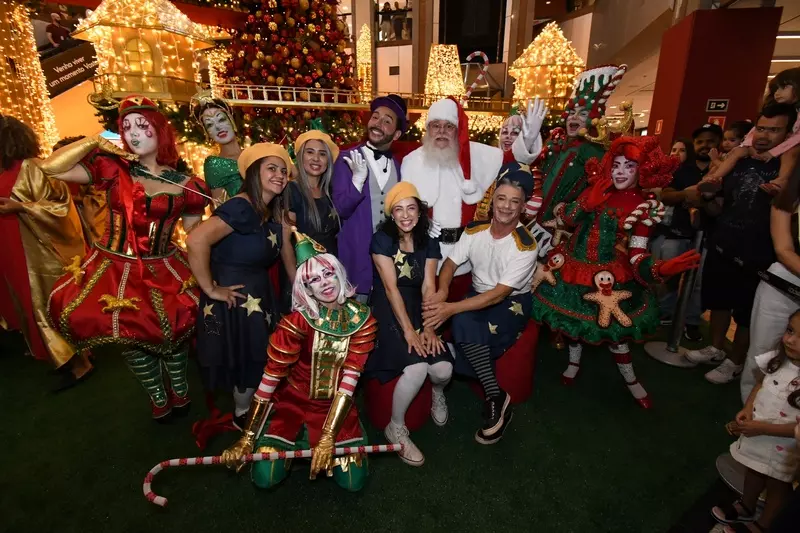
(593, 88)
(305, 247)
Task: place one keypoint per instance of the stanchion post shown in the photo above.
(670, 352)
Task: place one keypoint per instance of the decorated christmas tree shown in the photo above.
(293, 43)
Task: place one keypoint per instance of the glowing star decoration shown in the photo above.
(547, 69)
(23, 92)
(444, 74)
(364, 61)
(253, 305)
(146, 47)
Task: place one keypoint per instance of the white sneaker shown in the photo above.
(399, 435)
(439, 412)
(707, 356)
(726, 372)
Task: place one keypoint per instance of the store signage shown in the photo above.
(69, 68)
(659, 126)
(717, 105)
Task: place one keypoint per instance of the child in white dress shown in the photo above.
(766, 444)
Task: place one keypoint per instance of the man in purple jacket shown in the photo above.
(361, 179)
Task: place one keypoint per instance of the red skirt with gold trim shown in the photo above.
(115, 299)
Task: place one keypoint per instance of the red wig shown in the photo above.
(167, 153)
(655, 167)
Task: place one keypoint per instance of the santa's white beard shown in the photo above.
(444, 157)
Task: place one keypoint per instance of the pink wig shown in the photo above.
(302, 300)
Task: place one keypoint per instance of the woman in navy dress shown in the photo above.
(404, 271)
(230, 254)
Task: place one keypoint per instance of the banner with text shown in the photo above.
(69, 68)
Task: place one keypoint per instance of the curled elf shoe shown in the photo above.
(397, 434)
(733, 513)
(439, 411)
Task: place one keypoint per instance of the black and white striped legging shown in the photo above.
(480, 359)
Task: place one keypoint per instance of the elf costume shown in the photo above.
(563, 159)
(594, 287)
(321, 352)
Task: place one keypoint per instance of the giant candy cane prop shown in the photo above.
(480, 77)
(250, 458)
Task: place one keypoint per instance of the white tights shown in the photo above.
(621, 356)
(411, 382)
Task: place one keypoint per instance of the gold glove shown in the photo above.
(233, 457)
(67, 157)
(322, 455)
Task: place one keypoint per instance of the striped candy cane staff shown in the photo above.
(251, 458)
(480, 77)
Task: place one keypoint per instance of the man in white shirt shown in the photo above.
(488, 321)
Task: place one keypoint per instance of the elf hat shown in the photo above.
(593, 87)
(305, 247)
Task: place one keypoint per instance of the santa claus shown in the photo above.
(452, 173)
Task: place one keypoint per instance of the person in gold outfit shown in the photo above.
(40, 234)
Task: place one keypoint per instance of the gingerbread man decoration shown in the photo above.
(545, 271)
(608, 299)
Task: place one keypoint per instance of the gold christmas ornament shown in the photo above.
(279, 81)
(273, 26)
(295, 62)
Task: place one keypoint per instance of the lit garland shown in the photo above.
(547, 69)
(216, 66)
(145, 46)
(444, 74)
(364, 60)
(23, 92)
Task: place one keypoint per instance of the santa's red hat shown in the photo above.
(450, 109)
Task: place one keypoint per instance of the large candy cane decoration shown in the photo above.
(250, 458)
(649, 212)
(480, 77)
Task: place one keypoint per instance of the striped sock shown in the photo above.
(480, 359)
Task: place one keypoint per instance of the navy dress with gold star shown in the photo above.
(232, 343)
(390, 355)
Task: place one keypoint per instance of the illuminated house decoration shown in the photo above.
(547, 69)
(145, 47)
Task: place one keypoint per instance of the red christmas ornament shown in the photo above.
(273, 67)
(309, 80)
(310, 60)
(291, 71)
(291, 81)
(273, 38)
(267, 18)
(251, 19)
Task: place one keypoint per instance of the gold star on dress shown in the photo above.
(492, 328)
(405, 271)
(399, 257)
(208, 310)
(253, 305)
(516, 308)
(273, 238)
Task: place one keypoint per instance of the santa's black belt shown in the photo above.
(450, 235)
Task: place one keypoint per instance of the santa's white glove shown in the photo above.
(469, 187)
(358, 166)
(543, 239)
(533, 120)
(532, 207)
(434, 230)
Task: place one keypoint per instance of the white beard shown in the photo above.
(442, 157)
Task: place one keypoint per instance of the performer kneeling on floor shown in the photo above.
(489, 320)
(320, 348)
(405, 260)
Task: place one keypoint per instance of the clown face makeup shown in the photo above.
(139, 134)
(323, 285)
(218, 125)
(577, 118)
(509, 132)
(624, 172)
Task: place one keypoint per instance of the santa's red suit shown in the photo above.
(453, 192)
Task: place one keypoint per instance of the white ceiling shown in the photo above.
(639, 81)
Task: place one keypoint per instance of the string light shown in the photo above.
(216, 66)
(547, 69)
(23, 91)
(444, 74)
(167, 69)
(364, 61)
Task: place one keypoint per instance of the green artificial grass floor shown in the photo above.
(585, 458)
